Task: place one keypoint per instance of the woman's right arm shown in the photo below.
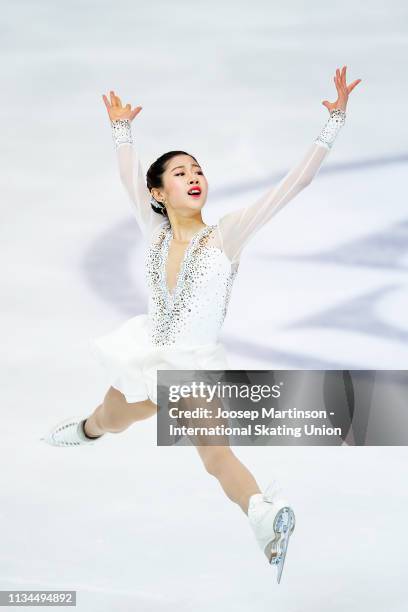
(130, 168)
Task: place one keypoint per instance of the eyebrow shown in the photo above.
(175, 168)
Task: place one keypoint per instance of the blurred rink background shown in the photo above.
(126, 524)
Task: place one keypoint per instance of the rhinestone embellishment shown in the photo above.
(329, 132)
(121, 132)
(193, 312)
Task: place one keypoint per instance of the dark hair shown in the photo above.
(155, 174)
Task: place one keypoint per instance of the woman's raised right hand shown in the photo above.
(117, 111)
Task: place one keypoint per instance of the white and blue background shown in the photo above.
(126, 524)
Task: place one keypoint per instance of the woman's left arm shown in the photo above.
(238, 227)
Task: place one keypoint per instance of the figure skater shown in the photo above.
(190, 268)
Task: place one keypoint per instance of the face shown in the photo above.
(182, 175)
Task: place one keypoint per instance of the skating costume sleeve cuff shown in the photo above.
(121, 132)
(329, 132)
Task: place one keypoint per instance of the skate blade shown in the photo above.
(46, 438)
(283, 526)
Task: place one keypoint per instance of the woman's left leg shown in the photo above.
(270, 517)
(216, 454)
(236, 480)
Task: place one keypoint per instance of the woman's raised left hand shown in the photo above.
(343, 90)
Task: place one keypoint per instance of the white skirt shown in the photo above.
(131, 361)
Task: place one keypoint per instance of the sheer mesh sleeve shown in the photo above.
(133, 178)
(237, 227)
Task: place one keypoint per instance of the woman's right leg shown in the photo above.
(115, 414)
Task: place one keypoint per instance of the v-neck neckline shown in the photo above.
(171, 295)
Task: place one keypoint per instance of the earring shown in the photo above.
(157, 204)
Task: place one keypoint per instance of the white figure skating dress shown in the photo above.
(181, 328)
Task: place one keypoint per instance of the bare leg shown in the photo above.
(115, 414)
(236, 480)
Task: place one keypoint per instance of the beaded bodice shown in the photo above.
(193, 313)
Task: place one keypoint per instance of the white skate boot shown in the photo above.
(69, 432)
(273, 522)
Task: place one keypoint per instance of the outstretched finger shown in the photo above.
(353, 84)
(105, 99)
(113, 98)
(341, 81)
(135, 112)
(337, 82)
